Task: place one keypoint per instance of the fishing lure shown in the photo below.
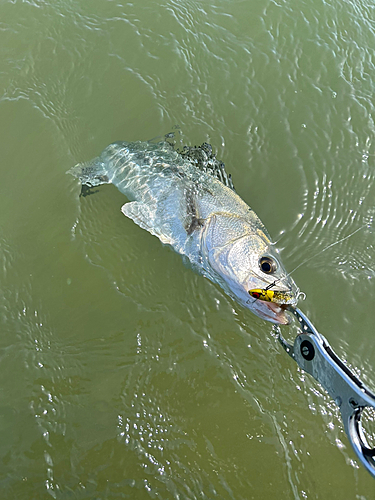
(271, 295)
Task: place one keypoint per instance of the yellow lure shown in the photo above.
(271, 295)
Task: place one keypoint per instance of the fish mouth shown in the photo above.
(274, 312)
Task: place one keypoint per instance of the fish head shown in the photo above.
(241, 259)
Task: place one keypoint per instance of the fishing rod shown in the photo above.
(313, 354)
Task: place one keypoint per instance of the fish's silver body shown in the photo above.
(198, 215)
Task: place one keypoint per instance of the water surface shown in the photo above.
(122, 373)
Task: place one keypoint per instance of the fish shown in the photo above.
(187, 200)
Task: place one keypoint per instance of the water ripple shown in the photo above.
(145, 379)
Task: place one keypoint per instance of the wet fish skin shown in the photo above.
(195, 213)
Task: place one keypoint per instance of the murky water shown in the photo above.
(122, 373)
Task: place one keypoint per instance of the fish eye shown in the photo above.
(267, 265)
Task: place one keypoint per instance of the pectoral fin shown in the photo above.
(141, 214)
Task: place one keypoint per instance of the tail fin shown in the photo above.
(91, 173)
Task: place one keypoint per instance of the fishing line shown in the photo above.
(299, 293)
(327, 247)
(271, 285)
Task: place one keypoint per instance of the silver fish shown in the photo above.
(198, 213)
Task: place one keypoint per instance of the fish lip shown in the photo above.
(277, 313)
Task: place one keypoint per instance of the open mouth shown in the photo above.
(277, 313)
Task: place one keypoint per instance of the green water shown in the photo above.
(122, 373)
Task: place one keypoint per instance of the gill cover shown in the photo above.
(232, 248)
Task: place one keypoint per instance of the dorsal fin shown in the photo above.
(204, 159)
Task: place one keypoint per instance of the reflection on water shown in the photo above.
(123, 373)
